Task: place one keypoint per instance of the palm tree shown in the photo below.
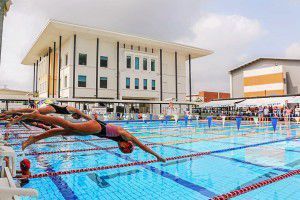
(4, 7)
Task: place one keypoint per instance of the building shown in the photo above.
(73, 61)
(265, 77)
(205, 96)
(9, 93)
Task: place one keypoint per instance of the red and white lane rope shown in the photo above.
(260, 184)
(115, 166)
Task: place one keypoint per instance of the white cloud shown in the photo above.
(158, 19)
(229, 36)
(293, 51)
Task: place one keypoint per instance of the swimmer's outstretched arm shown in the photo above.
(25, 125)
(133, 139)
(77, 111)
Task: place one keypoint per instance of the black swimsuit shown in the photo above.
(102, 133)
(60, 109)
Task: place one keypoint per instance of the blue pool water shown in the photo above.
(237, 159)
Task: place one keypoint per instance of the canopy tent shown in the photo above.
(294, 100)
(272, 101)
(221, 103)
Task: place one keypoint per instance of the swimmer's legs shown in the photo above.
(50, 133)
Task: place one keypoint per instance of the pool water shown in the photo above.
(233, 160)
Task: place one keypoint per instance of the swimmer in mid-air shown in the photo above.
(49, 109)
(97, 128)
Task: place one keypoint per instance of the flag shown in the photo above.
(238, 122)
(209, 120)
(274, 122)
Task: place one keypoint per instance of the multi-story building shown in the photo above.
(266, 77)
(74, 61)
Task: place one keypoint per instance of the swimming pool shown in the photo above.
(203, 163)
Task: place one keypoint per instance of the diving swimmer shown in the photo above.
(125, 140)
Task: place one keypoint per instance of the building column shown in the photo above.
(53, 70)
(231, 89)
(118, 68)
(97, 66)
(176, 78)
(190, 78)
(59, 68)
(33, 85)
(161, 80)
(36, 76)
(49, 60)
(74, 60)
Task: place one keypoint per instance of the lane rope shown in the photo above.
(46, 174)
(255, 186)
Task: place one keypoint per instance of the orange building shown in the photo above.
(205, 96)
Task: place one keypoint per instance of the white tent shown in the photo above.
(220, 103)
(271, 101)
(294, 100)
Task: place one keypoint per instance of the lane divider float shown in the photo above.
(47, 174)
(255, 186)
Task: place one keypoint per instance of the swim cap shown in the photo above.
(25, 164)
(126, 146)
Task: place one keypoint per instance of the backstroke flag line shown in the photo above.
(238, 122)
(274, 123)
(209, 120)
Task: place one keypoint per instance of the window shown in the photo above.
(103, 61)
(153, 84)
(136, 83)
(66, 82)
(152, 65)
(145, 84)
(137, 63)
(127, 83)
(82, 59)
(66, 59)
(81, 81)
(103, 82)
(128, 62)
(144, 63)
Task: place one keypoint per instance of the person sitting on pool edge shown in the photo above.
(97, 128)
(51, 108)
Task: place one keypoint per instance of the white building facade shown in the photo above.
(72, 61)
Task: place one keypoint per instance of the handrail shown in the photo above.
(13, 190)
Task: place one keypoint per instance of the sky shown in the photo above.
(237, 31)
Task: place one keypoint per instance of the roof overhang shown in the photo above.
(53, 29)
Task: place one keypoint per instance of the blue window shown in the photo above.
(153, 84)
(128, 62)
(152, 65)
(103, 82)
(103, 61)
(82, 59)
(144, 63)
(145, 84)
(81, 81)
(127, 83)
(137, 63)
(136, 83)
